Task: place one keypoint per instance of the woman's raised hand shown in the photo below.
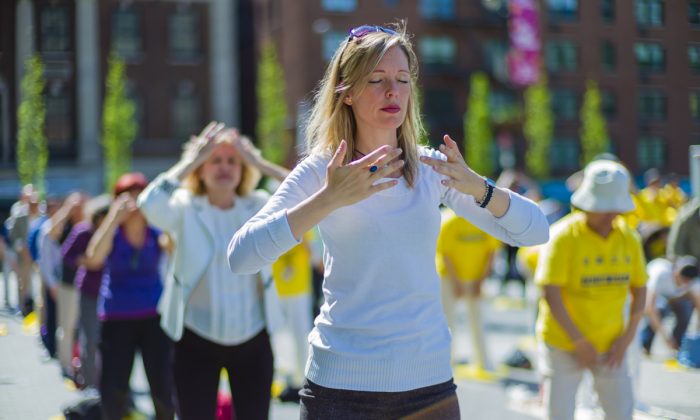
(350, 183)
(200, 147)
(459, 175)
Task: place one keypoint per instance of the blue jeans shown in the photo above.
(682, 309)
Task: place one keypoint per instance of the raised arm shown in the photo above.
(508, 216)
(100, 244)
(303, 200)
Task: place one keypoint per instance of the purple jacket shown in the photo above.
(75, 246)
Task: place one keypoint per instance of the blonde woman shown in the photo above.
(380, 347)
(217, 320)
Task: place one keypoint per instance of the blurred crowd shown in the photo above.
(109, 268)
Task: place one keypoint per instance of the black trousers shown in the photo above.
(48, 329)
(431, 402)
(197, 366)
(119, 341)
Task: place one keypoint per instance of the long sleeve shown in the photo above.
(75, 245)
(267, 235)
(159, 203)
(48, 266)
(523, 224)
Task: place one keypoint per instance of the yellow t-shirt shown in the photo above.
(673, 196)
(292, 271)
(466, 246)
(652, 207)
(595, 275)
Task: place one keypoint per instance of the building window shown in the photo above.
(652, 105)
(184, 34)
(342, 6)
(564, 104)
(562, 9)
(650, 57)
(331, 42)
(437, 9)
(694, 57)
(607, 10)
(607, 56)
(59, 116)
(561, 56)
(694, 12)
(651, 152)
(564, 155)
(440, 112)
(608, 104)
(55, 29)
(649, 12)
(437, 50)
(503, 106)
(495, 56)
(126, 33)
(186, 111)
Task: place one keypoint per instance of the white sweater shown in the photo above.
(381, 327)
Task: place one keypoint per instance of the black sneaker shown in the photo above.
(518, 360)
(290, 394)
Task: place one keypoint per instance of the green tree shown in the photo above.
(478, 138)
(272, 106)
(594, 131)
(32, 149)
(538, 128)
(119, 124)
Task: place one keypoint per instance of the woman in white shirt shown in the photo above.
(380, 347)
(216, 319)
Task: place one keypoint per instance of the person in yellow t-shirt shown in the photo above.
(586, 271)
(652, 204)
(672, 193)
(464, 257)
(292, 275)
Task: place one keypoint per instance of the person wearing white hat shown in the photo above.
(586, 271)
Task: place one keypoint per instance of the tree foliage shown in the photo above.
(272, 106)
(478, 137)
(32, 149)
(538, 128)
(594, 132)
(119, 124)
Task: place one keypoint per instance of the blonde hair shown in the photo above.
(250, 176)
(350, 68)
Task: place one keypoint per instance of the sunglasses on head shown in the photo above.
(363, 30)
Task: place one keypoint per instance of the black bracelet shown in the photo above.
(489, 193)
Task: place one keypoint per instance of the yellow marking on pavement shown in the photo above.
(473, 372)
(672, 365)
(3, 330)
(30, 324)
(57, 417)
(277, 388)
(505, 303)
(528, 344)
(69, 384)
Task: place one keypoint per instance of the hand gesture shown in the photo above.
(586, 355)
(459, 175)
(198, 149)
(351, 183)
(123, 206)
(617, 352)
(249, 153)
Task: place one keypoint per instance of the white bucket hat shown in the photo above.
(605, 188)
